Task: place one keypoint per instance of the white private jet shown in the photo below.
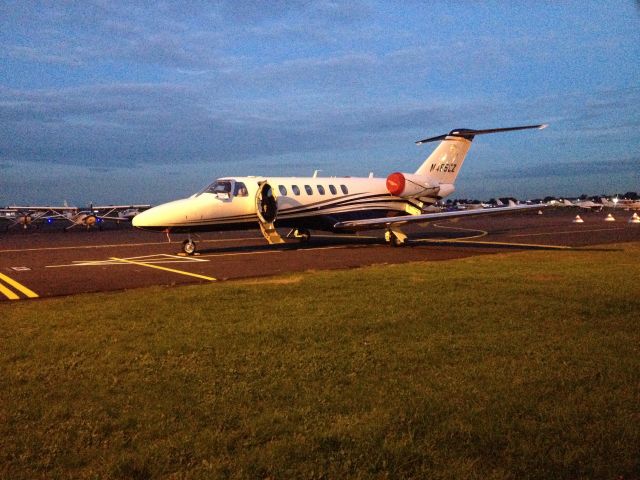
(335, 204)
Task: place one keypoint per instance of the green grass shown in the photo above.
(524, 365)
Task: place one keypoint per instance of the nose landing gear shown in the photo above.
(189, 246)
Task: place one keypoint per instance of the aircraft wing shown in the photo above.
(386, 222)
(41, 208)
(115, 219)
(120, 207)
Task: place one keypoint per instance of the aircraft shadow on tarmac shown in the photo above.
(450, 239)
(315, 242)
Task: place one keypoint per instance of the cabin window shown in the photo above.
(240, 190)
(296, 190)
(333, 190)
(344, 189)
(320, 189)
(308, 190)
(283, 190)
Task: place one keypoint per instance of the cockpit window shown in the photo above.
(219, 186)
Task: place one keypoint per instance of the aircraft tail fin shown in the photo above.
(444, 163)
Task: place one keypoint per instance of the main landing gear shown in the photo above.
(302, 234)
(395, 237)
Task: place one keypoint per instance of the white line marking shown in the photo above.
(281, 251)
(160, 258)
(76, 247)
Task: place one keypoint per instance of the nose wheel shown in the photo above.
(189, 246)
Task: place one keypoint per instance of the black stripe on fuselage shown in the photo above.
(395, 204)
(357, 201)
(317, 215)
(318, 221)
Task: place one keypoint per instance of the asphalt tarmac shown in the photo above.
(45, 262)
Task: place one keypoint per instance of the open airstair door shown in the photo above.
(267, 211)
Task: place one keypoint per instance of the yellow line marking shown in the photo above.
(342, 235)
(567, 231)
(196, 275)
(559, 247)
(482, 233)
(8, 293)
(331, 247)
(18, 286)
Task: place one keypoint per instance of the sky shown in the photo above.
(145, 102)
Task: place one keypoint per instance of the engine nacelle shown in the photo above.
(409, 185)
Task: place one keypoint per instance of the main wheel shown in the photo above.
(303, 235)
(392, 239)
(189, 247)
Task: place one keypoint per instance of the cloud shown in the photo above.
(191, 36)
(34, 54)
(130, 124)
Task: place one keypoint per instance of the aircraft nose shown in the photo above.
(137, 221)
(143, 219)
(167, 215)
(153, 219)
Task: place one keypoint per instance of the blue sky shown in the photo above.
(125, 102)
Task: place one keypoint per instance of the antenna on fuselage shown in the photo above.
(315, 173)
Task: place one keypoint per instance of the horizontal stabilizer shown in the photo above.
(469, 134)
